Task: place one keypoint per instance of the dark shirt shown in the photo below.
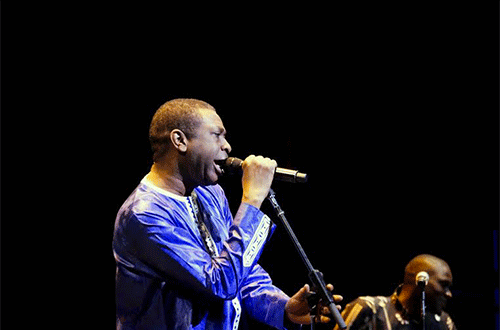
(387, 313)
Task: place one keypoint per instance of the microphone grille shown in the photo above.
(233, 162)
(422, 277)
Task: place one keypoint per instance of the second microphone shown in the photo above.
(233, 164)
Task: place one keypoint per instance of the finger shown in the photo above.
(324, 319)
(329, 287)
(271, 163)
(326, 311)
(303, 292)
(247, 161)
(337, 298)
(274, 163)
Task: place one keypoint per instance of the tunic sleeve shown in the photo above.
(262, 300)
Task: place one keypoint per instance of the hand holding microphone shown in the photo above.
(262, 171)
(257, 178)
(233, 164)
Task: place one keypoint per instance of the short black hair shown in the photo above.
(179, 114)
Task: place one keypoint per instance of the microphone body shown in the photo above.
(233, 164)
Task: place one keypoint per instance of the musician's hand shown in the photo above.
(297, 308)
(258, 173)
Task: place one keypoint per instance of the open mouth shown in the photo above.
(218, 167)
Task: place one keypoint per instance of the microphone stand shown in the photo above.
(423, 308)
(314, 275)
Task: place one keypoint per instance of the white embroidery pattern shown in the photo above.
(257, 241)
(237, 309)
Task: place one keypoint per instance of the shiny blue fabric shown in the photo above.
(165, 278)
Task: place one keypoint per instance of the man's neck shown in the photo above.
(163, 177)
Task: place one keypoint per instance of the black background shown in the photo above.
(392, 111)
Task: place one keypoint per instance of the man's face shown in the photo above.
(438, 289)
(206, 146)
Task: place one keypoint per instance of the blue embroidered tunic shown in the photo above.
(166, 278)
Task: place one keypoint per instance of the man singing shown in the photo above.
(183, 261)
(403, 310)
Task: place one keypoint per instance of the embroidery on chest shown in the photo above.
(207, 239)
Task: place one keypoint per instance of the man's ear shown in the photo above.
(179, 140)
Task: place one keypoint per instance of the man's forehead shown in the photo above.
(444, 273)
(448, 274)
(211, 119)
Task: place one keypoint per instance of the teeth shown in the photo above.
(219, 168)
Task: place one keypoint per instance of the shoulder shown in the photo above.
(353, 308)
(361, 310)
(360, 305)
(357, 313)
(147, 205)
(214, 191)
(372, 302)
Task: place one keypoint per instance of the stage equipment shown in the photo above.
(422, 279)
(233, 164)
(316, 277)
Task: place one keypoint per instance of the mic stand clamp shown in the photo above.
(313, 301)
(315, 305)
(314, 275)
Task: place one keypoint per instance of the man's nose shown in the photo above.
(448, 293)
(226, 146)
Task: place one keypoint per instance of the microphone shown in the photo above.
(233, 165)
(422, 279)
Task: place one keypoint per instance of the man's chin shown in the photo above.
(436, 310)
(210, 183)
(210, 180)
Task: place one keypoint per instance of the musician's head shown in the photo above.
(437, 289)
(190, 134)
